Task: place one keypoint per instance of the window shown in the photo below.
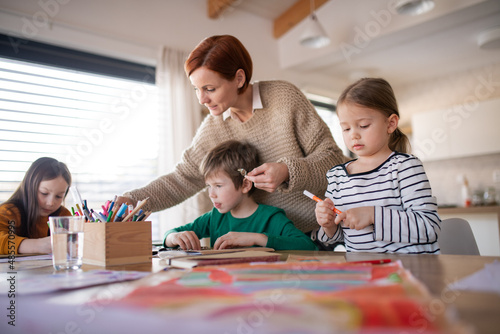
(104, 127)
(327, 111)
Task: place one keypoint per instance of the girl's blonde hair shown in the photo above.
(377, 93)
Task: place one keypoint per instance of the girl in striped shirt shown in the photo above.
(384, 194)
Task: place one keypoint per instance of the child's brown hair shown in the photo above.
(228, 157)
(25, 198)
(377, 94)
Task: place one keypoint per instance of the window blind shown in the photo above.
(106, 129)
(12, 47)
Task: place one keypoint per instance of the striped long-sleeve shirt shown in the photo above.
(405, 217)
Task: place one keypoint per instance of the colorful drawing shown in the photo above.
(296, 297)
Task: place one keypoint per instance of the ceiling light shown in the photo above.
(314, 36)
(414, 7)
(489, 39)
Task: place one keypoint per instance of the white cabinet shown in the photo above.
(460, 131)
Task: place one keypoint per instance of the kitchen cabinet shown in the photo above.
(460, 131)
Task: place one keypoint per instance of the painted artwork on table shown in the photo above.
(294, 297)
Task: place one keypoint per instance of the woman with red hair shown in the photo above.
(294, 143)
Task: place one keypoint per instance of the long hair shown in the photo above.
(25, 198)
(377, 93)
(223, 54)
(228, 157)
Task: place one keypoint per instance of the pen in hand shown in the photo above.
(317, 199)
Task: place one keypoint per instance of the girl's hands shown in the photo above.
(41, 245)
(240, 239)
(326, 216)
(269, 176)
(185, 240)
(357, 218)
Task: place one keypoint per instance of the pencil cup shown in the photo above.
(66, 236)
(117, 243)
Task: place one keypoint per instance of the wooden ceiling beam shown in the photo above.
(217, 7)
(293, 15)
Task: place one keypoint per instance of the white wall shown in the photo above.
(474, 84)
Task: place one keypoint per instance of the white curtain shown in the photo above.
(182, 117)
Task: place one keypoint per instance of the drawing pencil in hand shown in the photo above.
(317, 199)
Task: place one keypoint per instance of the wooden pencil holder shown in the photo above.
(117, 243)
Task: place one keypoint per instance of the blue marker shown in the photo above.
(120, 212)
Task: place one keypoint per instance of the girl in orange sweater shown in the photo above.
(24, 216)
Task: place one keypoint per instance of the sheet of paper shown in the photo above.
(19, 258)
(67, 280)
(484, 280)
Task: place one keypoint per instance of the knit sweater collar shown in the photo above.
(256, 101)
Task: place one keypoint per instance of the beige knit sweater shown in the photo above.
(287, 130)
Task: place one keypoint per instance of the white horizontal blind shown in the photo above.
(105, 129)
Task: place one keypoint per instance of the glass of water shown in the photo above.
(66, 236)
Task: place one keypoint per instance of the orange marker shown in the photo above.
(317, 199)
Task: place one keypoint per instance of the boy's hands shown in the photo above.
(357, 218)
(185, 240)
(189, 240)
(326, 216)
(240, 239)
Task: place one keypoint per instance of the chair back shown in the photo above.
(456, 237)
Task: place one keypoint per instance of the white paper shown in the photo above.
(484, 280)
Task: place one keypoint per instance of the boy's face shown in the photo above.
(223, 193)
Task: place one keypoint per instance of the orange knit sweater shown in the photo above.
(10, 219)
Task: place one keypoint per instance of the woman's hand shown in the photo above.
(269, 176)
(240, 239)
(357, 218)
(325, 216)
(124, 199)
(185, 240)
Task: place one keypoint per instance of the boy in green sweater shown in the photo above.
(236, 219)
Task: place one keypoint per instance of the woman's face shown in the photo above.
(213, 91)
(51, 195)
